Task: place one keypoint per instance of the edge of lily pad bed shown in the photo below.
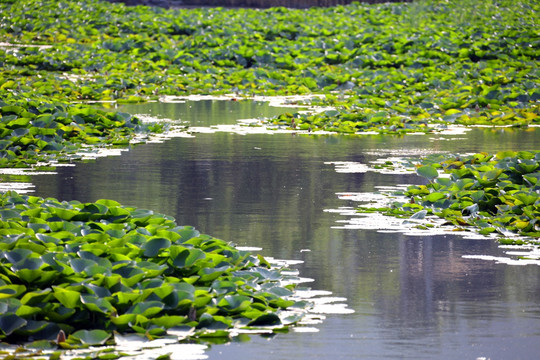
(87, 270)
(488, 193)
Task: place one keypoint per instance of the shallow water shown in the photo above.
(414, 297)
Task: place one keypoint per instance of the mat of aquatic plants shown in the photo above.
(386, 68)
(489, 193)
(75, 273)
(390, 68)
(36, 134)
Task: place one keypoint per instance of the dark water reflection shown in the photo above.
(414, 297)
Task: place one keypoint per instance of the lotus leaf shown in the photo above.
(187, 258)
(265, 320)
(11, 322)
(428, 172)
(8, 291)
(153, 246)
(169, 321)
(33, 327)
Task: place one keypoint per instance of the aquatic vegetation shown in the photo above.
(91, 269)
(87, 270)
(34, 131)
(390, 68)
(385, 68)
(491, 193)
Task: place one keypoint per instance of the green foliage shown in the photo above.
(490, 193)
(88, 271)
(390, 68)
(35, 131)
(427, 171)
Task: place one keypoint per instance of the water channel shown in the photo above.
(414, 297)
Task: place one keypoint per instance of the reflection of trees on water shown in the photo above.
(434, 280)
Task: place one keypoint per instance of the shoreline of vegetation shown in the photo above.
(37, 134)
(488, 193)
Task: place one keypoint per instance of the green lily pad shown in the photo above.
(427, 171)
(91, 337)
(8, 291)
(188, 257)
(10, 322)
(153, 246)
(68, 298)
(270, 319)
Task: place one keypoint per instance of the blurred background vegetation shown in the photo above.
(249, 3)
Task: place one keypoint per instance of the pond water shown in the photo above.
(414, 297)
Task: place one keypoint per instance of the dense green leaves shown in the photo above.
(403, 67)
(88, 269)
(49, 133)
(140, 272)
(491, 193)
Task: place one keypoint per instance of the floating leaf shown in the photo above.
(419, 215)
(188, 257)
(35, 297)
(153, 246)
(433, 197)
(147, 309)
(427, 171)
(10, 322)
(526, 198)
(93, 303)
(59, 313)
(68, 298)
(235, 302)
(270, 319)
(91, 337)
(25, 311)
(8, 291)
(168, 321)
(107, 203)
(471, 210)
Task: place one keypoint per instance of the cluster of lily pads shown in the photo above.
(33, 131)
(386, 68)
(88, 269)
(490, 193)
(401, 65)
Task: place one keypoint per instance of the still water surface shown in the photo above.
(414, 297)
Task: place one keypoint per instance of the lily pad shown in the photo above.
(91, 337)
(427, 171)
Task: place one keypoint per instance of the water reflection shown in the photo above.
(206, 113)
(414, 297)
